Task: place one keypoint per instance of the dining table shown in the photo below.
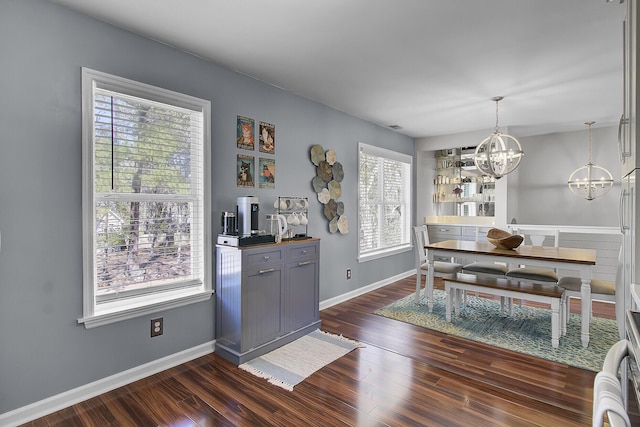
(582, 260)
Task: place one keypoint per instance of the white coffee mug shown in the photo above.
(303, 219)
(293, 219)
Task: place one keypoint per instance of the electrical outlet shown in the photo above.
(348, 273)
(156, 327)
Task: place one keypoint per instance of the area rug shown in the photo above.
(290, 364)
(528, 331)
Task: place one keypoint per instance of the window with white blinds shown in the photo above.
(146, 195)
(384, 202)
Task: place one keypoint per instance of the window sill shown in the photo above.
(381, 254)
(118, 311)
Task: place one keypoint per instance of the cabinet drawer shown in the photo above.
(469, 233)
(301, 251)
(438, 233)
(260, 258)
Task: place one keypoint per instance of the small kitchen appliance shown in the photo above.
(276, 226)
(248, 215)
(228, 224)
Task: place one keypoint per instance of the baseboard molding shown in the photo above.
(71, 397)
(361, 291)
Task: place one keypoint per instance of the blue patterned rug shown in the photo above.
(527, 331)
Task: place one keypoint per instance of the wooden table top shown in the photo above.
(543, 253)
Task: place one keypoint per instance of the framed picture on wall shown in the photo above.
(267, 170)
(245, 133)
(245, 171)
(267, 138)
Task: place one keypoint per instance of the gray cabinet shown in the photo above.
(266, 296)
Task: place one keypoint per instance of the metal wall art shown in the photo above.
(327, 185)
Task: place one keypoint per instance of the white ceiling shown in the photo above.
(429, 66)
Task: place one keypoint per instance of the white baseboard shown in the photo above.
(361, 291)
(71, 397)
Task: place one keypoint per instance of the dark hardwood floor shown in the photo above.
(405, 376)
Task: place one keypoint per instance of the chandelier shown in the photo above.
(499, 154)
(590, 181)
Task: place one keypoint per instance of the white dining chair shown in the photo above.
(536, 274)
(601, 290)
(440, 268)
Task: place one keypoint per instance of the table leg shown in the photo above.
(555, 322)
(564, 313)
(418, 284)
(447, 291)
(429, 285)
(585, 310)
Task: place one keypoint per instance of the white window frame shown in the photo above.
(406, 245)
(95, 314)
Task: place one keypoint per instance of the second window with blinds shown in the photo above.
(384, 202)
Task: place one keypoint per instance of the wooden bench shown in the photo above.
(507, 288)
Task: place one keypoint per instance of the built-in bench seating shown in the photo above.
(507, 289)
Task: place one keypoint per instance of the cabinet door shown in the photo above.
(301, 294)
(628, 135)
(439, 233)
(261, 306)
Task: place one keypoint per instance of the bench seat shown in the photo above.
(508, 288)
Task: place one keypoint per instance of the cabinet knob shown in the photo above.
(304, 251)
(304, 263)
(266, 257)
(268, 270)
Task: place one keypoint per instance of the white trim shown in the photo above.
(95, 314)
(384, 253)
(569, 228)
(71, 397)
(153, 304)
(385, 154)
(363, 290)
(373, 150)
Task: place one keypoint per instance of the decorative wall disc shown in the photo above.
(318, 184)
(331, 209)
(343, 224)
(328, 187)
(323, 196)
(324, 171)
(331, 157)
(333, 225)
(317, 154)
(335, 189)
(338, 172)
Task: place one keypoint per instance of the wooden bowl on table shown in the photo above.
(503, 239)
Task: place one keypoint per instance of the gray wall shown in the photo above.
(537, 192)
(43, 351)
(542, 195)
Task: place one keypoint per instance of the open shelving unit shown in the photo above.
(459, 188)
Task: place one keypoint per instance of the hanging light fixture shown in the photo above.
(590, 181)
(499, 154)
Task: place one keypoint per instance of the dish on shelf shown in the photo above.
(503, 239)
